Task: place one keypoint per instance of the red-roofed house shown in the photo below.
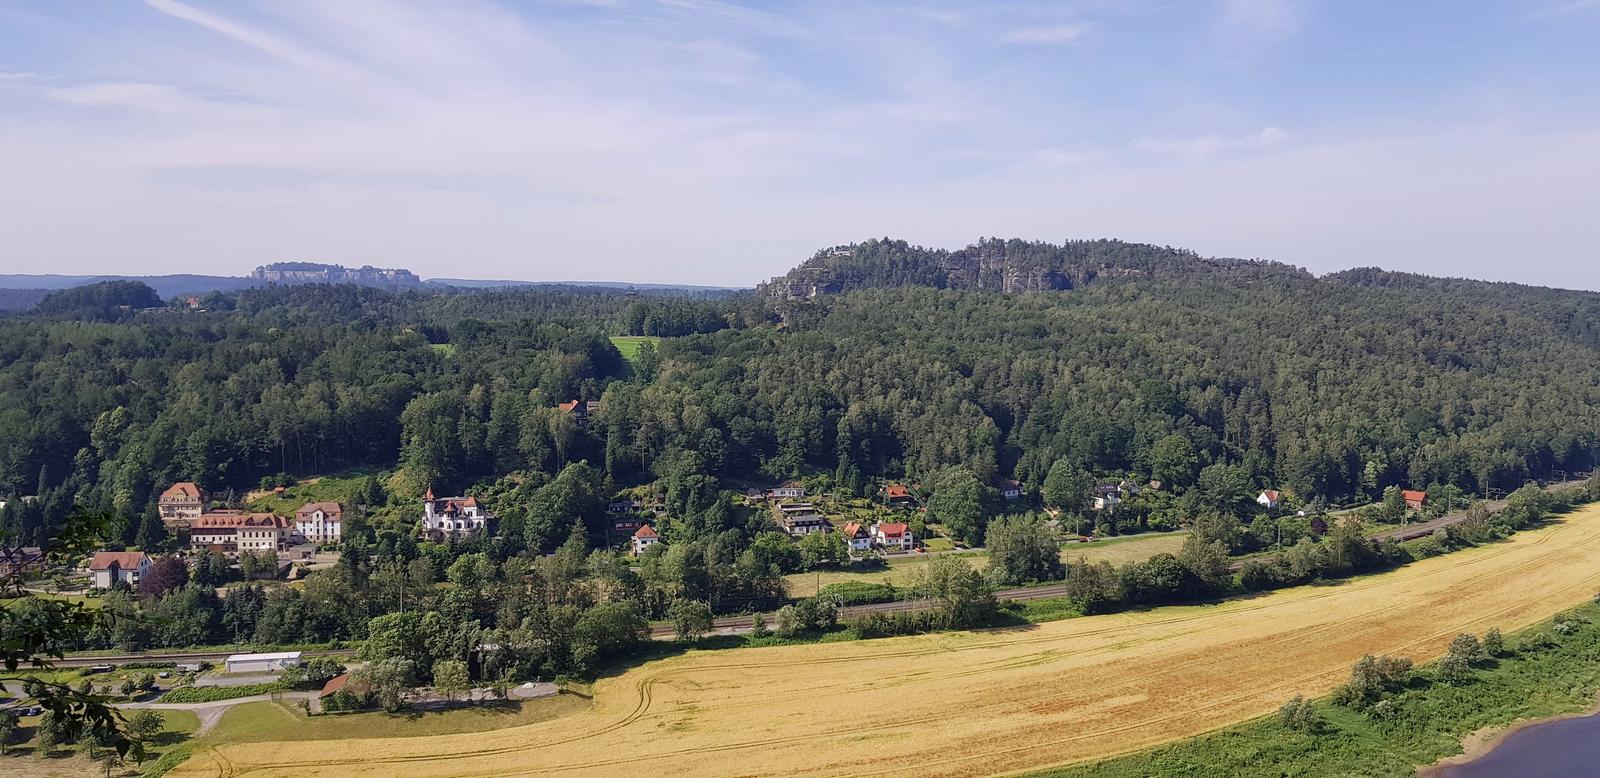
(1270, 499)
(109, 567)
(265, 532)
(897, 494)
(894, 535)
(1414, 499)
(320, 522)
(856, 537)
(580, 410)
(643, 538)
(181, 504)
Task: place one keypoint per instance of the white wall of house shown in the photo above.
(319, 526)
(103, 579)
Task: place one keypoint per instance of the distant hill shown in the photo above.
(20, 292)
(104, 300)
(176, 285)
(21, 299)
(998, 265)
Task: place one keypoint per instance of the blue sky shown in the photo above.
(699, 141)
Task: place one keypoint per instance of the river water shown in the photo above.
(1567, 748)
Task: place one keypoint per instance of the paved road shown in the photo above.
(737, 624)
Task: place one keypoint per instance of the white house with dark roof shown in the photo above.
(453, 515)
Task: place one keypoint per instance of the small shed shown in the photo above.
(262, 663)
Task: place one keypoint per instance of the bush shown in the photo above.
(215, 693)
(1258, 575)
(1371, 679)
(1299, 715)
(1466, 648)
(1493, 644)
(810, 615)
(859, 592)
(1453, 669)
(880, 624)
(345, 700)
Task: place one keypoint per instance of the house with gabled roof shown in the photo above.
(643, 538)
(893, 536)
(181, 504)
(1271, 499)
(1414, 499)
(110, 567)
(787, 490)
(453, 515)
(897, 495)
(856, 537)
(320, 522)
(581, 410)
(1009, 489)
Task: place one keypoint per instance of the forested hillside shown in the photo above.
(998, 265)
(1129, 360)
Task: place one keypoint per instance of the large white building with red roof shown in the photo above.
(453, 515)
(181, 504)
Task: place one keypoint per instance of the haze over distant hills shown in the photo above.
(990, 264)
(19, 291)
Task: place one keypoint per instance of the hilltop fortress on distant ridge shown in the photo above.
(317, 273)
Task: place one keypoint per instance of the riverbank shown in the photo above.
(1481, 743)
(1549, 673)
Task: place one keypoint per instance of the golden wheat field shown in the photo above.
(981, 703)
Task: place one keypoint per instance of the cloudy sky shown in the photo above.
(701, 141)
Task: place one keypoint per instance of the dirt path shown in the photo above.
(979, 703)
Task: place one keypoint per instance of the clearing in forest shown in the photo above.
(629, 344)
(978, 703)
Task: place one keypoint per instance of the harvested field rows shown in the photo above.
(985, 702)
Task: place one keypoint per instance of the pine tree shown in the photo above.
(152, 533)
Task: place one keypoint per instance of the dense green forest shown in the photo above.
(1120, 359)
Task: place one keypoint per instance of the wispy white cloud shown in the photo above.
(1048, 33)
(288, 52)
(1274, 19)
(731, 139)
(1065, 156)
(1564, 9)
(1207, 145)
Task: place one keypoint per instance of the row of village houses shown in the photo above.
(184, 509)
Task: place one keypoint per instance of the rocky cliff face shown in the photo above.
(312, 273)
